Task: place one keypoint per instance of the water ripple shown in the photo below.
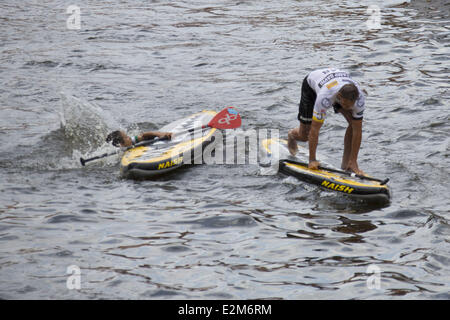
(219, 231)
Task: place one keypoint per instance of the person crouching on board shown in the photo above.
(321, 90)
(119, 138)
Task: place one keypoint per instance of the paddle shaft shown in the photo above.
(351, 174)
(140, 144)
(193, 129)
(83, 161)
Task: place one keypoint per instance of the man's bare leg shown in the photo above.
(297, 134)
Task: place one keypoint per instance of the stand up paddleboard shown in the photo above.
(327, 179)
(167, 155)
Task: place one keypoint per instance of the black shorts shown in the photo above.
(307, 101)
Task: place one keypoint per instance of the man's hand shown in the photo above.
(119, 139)
(314, 165)
(167, 135)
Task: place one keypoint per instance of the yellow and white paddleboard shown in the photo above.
(298, 167)
(164, 156)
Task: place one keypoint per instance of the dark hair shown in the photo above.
(349, 92)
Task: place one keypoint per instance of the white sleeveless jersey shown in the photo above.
(326, 83)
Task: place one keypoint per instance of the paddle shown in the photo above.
(140, 144)
(228, 118)
(351, 174)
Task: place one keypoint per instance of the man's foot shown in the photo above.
(314, 165)
(353, 168)
(292, 143)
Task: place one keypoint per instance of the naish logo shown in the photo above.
(337, 187)
(168, 164)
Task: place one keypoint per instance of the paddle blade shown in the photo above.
(228, 118)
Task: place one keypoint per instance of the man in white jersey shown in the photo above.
(321, 90)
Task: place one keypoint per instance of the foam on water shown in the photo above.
(84, 127)
(84, 124)
(82, 133)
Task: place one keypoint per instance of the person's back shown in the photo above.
(327, 83)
